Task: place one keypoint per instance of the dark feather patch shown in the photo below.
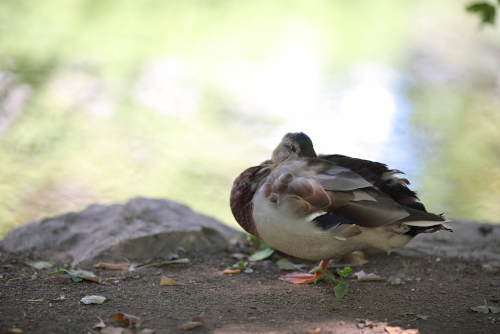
(414, 230)
(329, 220)
(244, 188)
(373, 172)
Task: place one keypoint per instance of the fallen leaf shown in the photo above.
(340, 290)
(314, 331)
(494, 310)
(92, 279)
(12, 331)
(286, 264)
(197, 321)
(79, 275)
(362, 276)
(42, 274)
(168, 281)
(113, 266)
(422, 316)
(191, 325)
(481, 309)
(162, 263)
(40, 264)
(127, 319)
(93, 300)
(231, 271)
(355, 258)
(261, 254)
(35, 300)
(396, 281)
(239, 256)
(59, 299)
(400, 330)
(147, 331)
(100, 324)
(76, 276)
(113, 330)
(198, 318)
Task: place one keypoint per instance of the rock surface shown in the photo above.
(139, 230)
(143, 229)
(469, 240)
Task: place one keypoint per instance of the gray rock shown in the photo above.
(469, 240)
(139, 230)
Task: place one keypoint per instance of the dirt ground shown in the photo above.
(436, 298)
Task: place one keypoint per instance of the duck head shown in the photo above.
(297, 145)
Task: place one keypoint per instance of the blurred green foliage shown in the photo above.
(485, 10)
(83, 135)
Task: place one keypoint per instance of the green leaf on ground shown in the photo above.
(341, 289)
(76, 276)
(286, 264)
(261, 254)
(36, 275)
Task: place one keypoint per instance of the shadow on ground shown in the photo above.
(444, 275)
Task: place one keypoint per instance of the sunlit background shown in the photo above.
(102, 101)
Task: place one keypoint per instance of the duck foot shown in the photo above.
(306, 278)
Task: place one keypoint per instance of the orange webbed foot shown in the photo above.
(306, 278)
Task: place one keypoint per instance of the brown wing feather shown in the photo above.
(379, 175)
(313, 185)
(244, 188)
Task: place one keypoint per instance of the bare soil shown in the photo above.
(436, 298)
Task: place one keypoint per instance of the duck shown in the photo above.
(324, 207)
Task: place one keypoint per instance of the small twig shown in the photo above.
(260, 310)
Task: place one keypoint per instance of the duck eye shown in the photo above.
(293, 149)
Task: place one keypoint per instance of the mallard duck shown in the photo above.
(323, 207)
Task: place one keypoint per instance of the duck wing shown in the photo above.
(334, 197)
(381, 177)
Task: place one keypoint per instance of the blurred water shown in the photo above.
(174, 99)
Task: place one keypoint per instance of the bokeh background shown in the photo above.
(102, 101)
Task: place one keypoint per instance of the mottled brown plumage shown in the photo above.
(326, 206)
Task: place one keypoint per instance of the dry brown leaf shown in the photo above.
(231, 271)
(400, 330)
(356, 258)
(128, 320)
(191, 325)
(93, 279)
(101, 324)
(314, 331)
(13, 331)
(113, 330)
(197, 321)
(168, 281)
(119, 317)
(113, 266)
(163, 263)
